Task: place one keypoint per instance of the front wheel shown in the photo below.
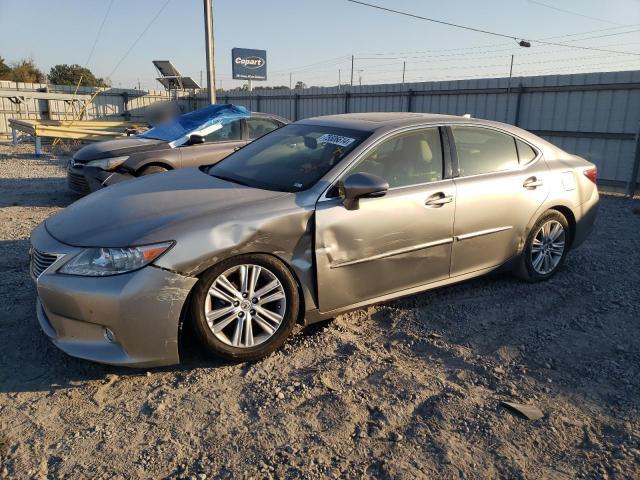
(546, 248)
(244, 308)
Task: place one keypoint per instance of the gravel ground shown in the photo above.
(408, 389)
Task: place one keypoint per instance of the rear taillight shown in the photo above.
(591, 174)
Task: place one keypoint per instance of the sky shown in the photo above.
(313, 40)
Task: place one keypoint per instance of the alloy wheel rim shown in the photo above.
(548, 247)
(245, 306)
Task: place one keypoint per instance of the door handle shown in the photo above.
(532, 182)
(438, 200)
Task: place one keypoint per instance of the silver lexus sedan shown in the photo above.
(322, 216)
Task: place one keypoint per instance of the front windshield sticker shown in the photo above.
(335, 139)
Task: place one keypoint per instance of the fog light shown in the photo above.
(109, 335)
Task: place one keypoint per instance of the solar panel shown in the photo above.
(178, 82)
(171, 78)
(188, 82)
(166, 68)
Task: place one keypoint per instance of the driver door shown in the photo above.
(391, 243)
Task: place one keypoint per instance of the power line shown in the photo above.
(304, 67)
(504, 44)
(570, 12)
(460, 52)
(487, 32)
(95, 42)
(442, 22)
(479, 55)
(581, 47)
(164, 5)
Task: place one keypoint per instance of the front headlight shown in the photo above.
(101, 262)
(108, 163)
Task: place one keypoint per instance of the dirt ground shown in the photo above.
(408, 389)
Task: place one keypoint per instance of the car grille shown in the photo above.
(77, 182)
(40, 261)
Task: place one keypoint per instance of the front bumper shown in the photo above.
(97, 178)
(76, 181)
(141, 310)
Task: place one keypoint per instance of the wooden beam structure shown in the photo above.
(88, 130)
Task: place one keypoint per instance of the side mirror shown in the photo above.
(196, 139)
(362, 185)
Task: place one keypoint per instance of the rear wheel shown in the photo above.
(245, 308)
(151, 169)
(546, 248)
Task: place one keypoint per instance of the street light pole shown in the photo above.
(352, 70)
(509, 90)
(208, 34)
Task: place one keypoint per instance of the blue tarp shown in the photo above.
(196, 120)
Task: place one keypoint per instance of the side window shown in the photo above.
(525, 152)
(406, 159)
(260, 126)
(230, 131)
(481, 150)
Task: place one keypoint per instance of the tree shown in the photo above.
(5, 70)
(70, 75)
(300, 85)
(25, 71)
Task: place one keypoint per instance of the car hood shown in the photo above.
(152, 208)
(118, 147)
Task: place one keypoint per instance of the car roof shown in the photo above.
(375, 120)
(386, 121)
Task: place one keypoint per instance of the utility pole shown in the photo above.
(290, 77)
(404, 66)
(352, 70)
(208, 34)
(509, 90)
(339, 80)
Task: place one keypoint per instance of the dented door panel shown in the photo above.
(385, 245)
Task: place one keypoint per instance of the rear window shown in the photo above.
(260, 126)
(482, 150)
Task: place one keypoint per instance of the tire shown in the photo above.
(151, 169)
(217, 316)
(533, 266)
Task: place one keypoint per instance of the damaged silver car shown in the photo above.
(319, 217)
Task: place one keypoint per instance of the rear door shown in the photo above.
(394, 242)
(217, 145)
(501, 182)
(259, 126)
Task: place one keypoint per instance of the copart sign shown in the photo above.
(248, 64)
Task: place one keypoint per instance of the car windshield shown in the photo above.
(290, 159)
